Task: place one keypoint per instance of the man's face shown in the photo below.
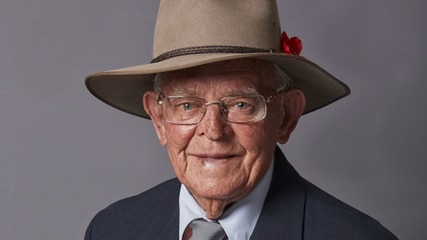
(216, 159)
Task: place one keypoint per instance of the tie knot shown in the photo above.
(200, 229)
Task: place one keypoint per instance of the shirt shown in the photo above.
(239, 220)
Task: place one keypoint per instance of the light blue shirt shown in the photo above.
(239, 220)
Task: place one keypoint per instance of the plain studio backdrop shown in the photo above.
(64, 155)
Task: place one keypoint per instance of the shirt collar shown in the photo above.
(239, 220)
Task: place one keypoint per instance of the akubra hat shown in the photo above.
(191, 33)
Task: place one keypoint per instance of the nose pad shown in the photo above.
(213, 122)
(221, 111)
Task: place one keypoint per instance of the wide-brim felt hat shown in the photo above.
(192, 33)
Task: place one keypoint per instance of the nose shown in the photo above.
(213, 124)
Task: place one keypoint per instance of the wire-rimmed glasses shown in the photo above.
(235, 109)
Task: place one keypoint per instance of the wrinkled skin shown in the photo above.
(221, 162)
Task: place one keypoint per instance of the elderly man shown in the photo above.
(224, 87)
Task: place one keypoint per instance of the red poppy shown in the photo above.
(291, 45)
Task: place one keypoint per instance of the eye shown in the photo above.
(186, 104)
(241, 104)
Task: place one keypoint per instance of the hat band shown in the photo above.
(208, 49)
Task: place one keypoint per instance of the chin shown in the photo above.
(218, 192)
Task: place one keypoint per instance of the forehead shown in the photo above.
(236, 74)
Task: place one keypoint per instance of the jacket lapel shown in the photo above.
(164, 223)
(283, 212)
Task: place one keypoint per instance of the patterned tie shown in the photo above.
(200, 229)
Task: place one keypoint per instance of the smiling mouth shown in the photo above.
(214, 157)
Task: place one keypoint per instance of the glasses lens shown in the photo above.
(236, 109)
(242, 109)
(183, 110)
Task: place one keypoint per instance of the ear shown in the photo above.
(293, 107)
(153, 109)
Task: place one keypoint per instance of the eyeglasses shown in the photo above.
(235, 109)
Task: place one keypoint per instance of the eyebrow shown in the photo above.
(178, 90)
(243, 91)
(191, 93)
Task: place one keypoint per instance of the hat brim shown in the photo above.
(123, 88)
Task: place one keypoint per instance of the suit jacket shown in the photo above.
(294, 209)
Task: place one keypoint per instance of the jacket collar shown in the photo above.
(284, 208)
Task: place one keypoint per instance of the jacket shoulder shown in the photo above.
(332, 219)
(138, 216)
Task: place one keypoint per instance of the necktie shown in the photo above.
(200, 229)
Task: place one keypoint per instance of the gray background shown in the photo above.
(64, 155)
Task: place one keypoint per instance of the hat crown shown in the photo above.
(195, 23)
(191, 33)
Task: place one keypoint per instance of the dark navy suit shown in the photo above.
(294, 209)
